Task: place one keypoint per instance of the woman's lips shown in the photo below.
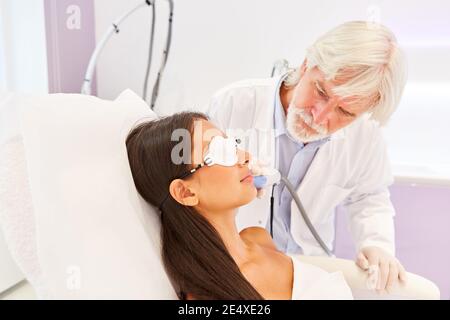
(248, 178)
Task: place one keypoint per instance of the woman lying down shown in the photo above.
(204, 254)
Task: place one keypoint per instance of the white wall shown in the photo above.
(218, 42)
(24, 55)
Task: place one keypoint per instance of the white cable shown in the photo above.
(308, 222)
(150, 54)
(155, 90)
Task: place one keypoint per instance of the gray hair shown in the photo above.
(365, 60)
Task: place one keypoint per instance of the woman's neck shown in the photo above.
(225, 224)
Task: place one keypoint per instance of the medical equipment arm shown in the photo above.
(113, 28)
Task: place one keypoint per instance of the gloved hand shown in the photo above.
(259, 168)
(384, 270)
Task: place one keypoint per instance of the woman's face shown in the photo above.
(218, 187)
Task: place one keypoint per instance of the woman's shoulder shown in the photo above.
(259, 236)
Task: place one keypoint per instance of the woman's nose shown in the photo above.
(243, 157)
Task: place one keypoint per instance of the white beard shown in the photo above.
(296, 119)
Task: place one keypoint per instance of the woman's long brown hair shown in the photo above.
(194, 255)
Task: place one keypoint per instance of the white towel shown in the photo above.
(314, 283)
(16, 212)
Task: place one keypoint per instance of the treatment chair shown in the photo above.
(74, 221)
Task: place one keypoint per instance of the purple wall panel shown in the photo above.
(422, 225)
(70, 43)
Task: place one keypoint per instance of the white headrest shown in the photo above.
(96, 237)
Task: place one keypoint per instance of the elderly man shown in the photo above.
(319, 125)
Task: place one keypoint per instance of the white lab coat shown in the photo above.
(352, 168)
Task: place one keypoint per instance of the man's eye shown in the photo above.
(322, 94)
(345, 113)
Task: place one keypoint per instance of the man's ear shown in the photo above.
(182, 193)
(303, 68)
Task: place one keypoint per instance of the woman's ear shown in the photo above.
(182, 193)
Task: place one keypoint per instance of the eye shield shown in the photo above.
(221, 151)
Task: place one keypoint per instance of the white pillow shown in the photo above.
(96, 237)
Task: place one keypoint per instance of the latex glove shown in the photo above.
(384, 270)
(259, 168)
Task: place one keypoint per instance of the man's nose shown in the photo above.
(321, 112)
